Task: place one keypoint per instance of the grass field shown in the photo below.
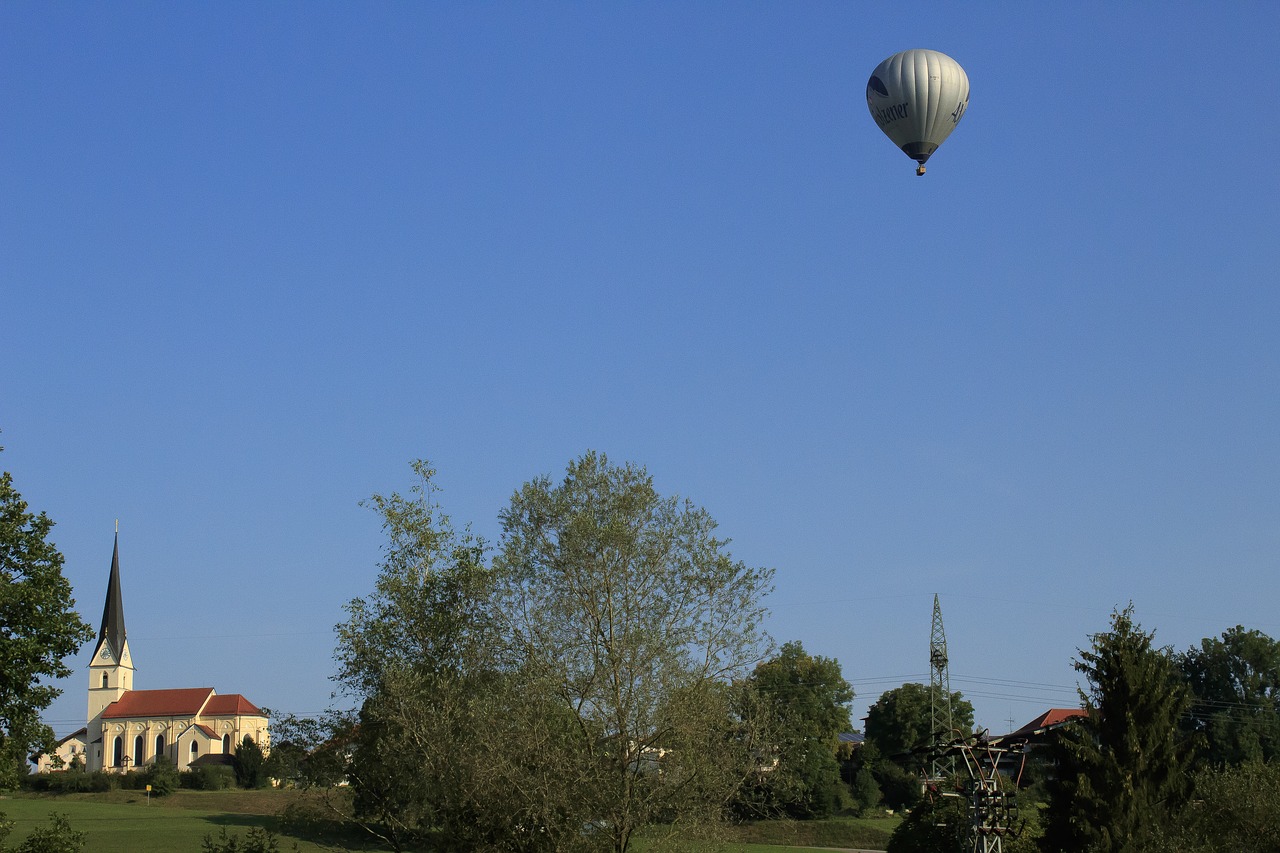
(124, 822)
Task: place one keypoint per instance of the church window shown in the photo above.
(195, 749)
(226, 744)
(117, 754)
(104, 680)
(159, 745)
(138, 754)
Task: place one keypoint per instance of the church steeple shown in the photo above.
(112, 630)
(111, 670)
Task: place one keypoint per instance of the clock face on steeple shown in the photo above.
(106, 653)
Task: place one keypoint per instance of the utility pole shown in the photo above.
(940, 696)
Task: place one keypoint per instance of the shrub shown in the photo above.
(256, 840)
(162, 777)
(57, 838)
(65, 782)
(215, 777)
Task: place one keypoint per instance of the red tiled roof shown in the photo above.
(1051, 719)
(208, 731)
(231, 704)
(183, 702)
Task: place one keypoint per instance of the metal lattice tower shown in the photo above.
(940, 694)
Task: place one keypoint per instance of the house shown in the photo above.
(128, 728)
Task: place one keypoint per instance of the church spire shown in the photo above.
(112, 629)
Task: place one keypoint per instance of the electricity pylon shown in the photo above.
(940, 695)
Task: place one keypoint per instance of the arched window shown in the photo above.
(138, 753)
(104, 679)
(226, 744)
(117, 752)
(195, 749)
(159, 745)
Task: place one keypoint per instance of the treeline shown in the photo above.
(601, 671)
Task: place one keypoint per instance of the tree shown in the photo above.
(39, 627)
(249, 762)
(629, 613)
(418, 654)
(901, 721)
(1235, 808)
(576, 690)
(1122, 769)
(807, 699)
(1236, 684)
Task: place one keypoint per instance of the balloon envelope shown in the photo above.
(918, 97)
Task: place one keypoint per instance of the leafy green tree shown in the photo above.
(249, 763)
(307, 752)
(162, 776)
(1235, 808)
(901, 722)
(418, 654)
(40, 629)
(582, 681)
(1121, 770)
(626, 606)
(1236, 684)
(808, 702)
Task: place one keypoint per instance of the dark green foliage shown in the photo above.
(255, 840)
(899, 789)
(901, 721)
(1235, 809)
(249, 764)
(41, 628)
(936, 825)
(162, 776)
(68, 782)
(1122, 770)
(209, 777)
(864, 790)
(308, 752)
(1236, 684)
(58, 837)
(806, 700)
(942, 823)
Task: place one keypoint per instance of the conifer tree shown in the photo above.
(1122, 769)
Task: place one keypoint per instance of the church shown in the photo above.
(128, 728)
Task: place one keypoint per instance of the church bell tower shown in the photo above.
(111, 672)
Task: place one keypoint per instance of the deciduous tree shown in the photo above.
(808, 700)
(39, 628)
(632, 615)
(901, 721)
(1235, 681)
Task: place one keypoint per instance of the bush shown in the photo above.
(161, 776)
(217, 777)
(256, 840)
(57, 838)
(66, 782)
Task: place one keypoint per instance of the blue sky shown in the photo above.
(254, 258)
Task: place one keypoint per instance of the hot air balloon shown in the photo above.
(918, 97)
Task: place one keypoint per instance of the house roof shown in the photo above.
(851, 737)
(230, 704)
(212, 759)
(182, 702)
(81, 732)
(112, 629)
(1051, 719)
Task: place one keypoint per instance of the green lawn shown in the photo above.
(124, 822)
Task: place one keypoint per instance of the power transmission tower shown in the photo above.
(940, 695)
